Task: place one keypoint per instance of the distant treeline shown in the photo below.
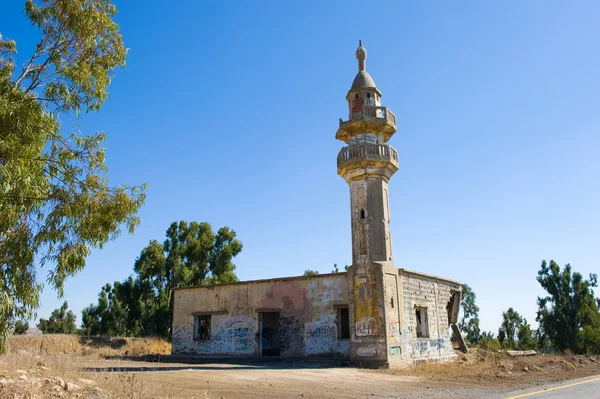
(568, 316)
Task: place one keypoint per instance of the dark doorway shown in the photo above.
(270, 343)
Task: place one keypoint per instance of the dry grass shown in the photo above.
(51, 364)
(492, 367)
(102, 346)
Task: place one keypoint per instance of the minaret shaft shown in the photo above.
(367, 163)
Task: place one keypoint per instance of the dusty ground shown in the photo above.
(99, 372)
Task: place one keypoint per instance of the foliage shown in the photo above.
(55, 198)
(568, 315)
(60, 322)
(21, 327)
(337, 270)
(511, 322)
(487, 341)
(515, 332)
(309, 272)
(526, 336)
(469, 323)
(191, 255)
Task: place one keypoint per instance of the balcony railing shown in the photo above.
(374, 112)
(367, 151)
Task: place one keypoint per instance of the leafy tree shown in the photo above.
(487, 341)
(60, 322)
(21, 327)
(568, 315)
(511, 323)
(526, 336)
(337, 270)
(191, 255)
(469, 323)
(309, 272)
(55, 199)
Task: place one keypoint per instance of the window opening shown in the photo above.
(422, 322)
(343, 323)
(362, 213)
(202, 328)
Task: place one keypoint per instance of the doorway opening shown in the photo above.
(270, 329)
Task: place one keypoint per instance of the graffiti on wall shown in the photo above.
(235, 335)
(321, 337)
(292, 333)
(367, 351)
(393, 328)
(395, 351)
(366, 313)
(431, 347)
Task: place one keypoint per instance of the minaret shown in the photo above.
(367, 164)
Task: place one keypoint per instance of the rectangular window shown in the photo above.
(343, 323)
(422, 322)
(202, 328)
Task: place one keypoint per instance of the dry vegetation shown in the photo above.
(486, 367)
(54, 366)
(62, 366)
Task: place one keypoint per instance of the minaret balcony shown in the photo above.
(370, 119)
(367, 156)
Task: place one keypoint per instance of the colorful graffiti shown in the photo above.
(367, 351)
(393, 328)
(366, 311)
(395, 351)
(321, 337)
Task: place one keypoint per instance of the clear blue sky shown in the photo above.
(228, 110)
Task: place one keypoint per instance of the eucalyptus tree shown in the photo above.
(56, 202)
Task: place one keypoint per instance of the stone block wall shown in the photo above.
(307, 307)
(429, 295)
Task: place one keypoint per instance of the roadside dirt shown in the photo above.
(101, 373)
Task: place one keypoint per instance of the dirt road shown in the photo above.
(286, 380)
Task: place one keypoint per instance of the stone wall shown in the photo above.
(307, 308)
(431, 295)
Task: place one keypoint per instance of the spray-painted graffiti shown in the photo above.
(321, 337)
(393, 328)
(367, 351)
(292, 334)
(432, 347)
(395, 351)
(366, 326)
(366, 311)
(235, 335)
(319, 331)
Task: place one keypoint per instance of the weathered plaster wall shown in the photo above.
(307, 316)
(434, 294)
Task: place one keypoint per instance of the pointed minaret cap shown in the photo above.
(362, 79)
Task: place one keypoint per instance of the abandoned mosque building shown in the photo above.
(373, 314)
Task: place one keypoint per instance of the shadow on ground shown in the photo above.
(216, 363)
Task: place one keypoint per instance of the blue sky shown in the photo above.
(228, 111)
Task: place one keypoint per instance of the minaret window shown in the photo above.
(362, 213)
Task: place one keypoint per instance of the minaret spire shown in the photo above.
(361, 56)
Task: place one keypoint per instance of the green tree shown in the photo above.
(21, 327)
(526, 336)
(568, 315)
(55, 199)
(511, 323)
(469, 323)
(193, 254)
(309, 272)
(61, 321)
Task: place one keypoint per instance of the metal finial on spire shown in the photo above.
(361, 56)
